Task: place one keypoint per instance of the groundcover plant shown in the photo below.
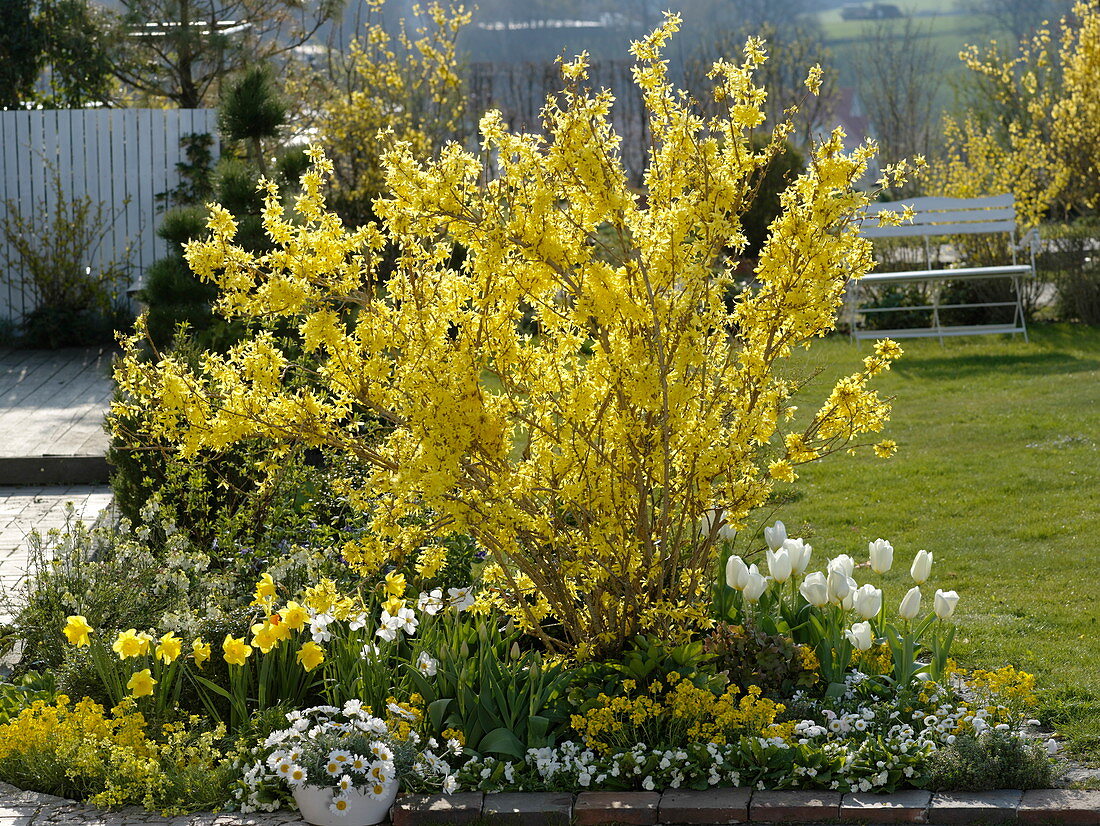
(529, 373)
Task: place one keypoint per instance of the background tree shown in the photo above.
(897, 89)
(22, 43)
(1019, 17)
(181, 50)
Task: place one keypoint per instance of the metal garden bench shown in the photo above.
(938, 217)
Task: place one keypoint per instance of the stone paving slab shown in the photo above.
(1041, 806)
(23, 509)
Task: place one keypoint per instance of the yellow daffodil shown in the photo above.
(169, 648)
(266, 636)
(200, 651)
(235, 650)
(141, 683)
(395, 584)
(294, 616)
(77, 630)
(131, 644)
(393, 605)
(265, 590)
(311, 655)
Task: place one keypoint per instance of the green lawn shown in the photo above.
(997, 474)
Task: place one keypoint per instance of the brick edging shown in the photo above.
(1037, 807)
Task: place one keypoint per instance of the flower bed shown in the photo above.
(518, 447)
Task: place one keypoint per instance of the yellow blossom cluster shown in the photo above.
(575, 403)
(1037, 133)
(677, 711)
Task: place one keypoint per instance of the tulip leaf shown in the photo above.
(501, 741)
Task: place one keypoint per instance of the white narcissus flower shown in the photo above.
(358, 622)
(815, 588)
(461, 598)
(431, 603)
(882, 555)
(800, 555)
(867, 601)
(779, 564)
(737, 572)
(860, 636)
(921, 568)
(755, 586)
(910, 604)
(776, 535)
(945, 602)
(426, 665)
(407, 620)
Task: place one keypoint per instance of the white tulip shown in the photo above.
(922, 567)
(860, 636)
(910, 604)
(776, 536)
(868, 601)
(800, 555)
(945, 603)
(838, 586)
(779, 565)
(755, 586)
(737, 572)
(843, 563)
(815, 588)
(882, 555)
(706, 525)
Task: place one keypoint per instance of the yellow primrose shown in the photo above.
(235, 650)
(294, 616)
(169, 648)
(200, 651)
(141, 683)
(311, 655)
(265, 590)
(395, 584)
(77, 630)
(131, 644)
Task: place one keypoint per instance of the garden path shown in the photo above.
(23, 509)
(52, 404)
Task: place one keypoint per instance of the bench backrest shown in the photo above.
(945, 216)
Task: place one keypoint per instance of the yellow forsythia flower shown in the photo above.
(200, 651)
(77, 630)
(141, 683)
(169, 648)
(311, 655)
(235, 651)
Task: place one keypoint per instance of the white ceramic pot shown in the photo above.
(314, 803)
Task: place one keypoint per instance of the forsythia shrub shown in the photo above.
(583, 455)
(1042, 142)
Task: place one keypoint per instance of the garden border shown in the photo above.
(1036, 807)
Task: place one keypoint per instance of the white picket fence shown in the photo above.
(120, 157)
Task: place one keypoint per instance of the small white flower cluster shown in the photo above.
(405, 620)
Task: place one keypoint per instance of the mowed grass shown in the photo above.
(997, 475)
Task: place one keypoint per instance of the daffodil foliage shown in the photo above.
(575, 394)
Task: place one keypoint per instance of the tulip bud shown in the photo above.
(843, 563)
(882, 555)
(800, 555)
(860, 636)
(867, 601)
(776, 536)
(945, 603)
(737, 572)
(815, 588)
(838, 586)
(910, 604)
(755, 586)
(922, 567)
(779, 565)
